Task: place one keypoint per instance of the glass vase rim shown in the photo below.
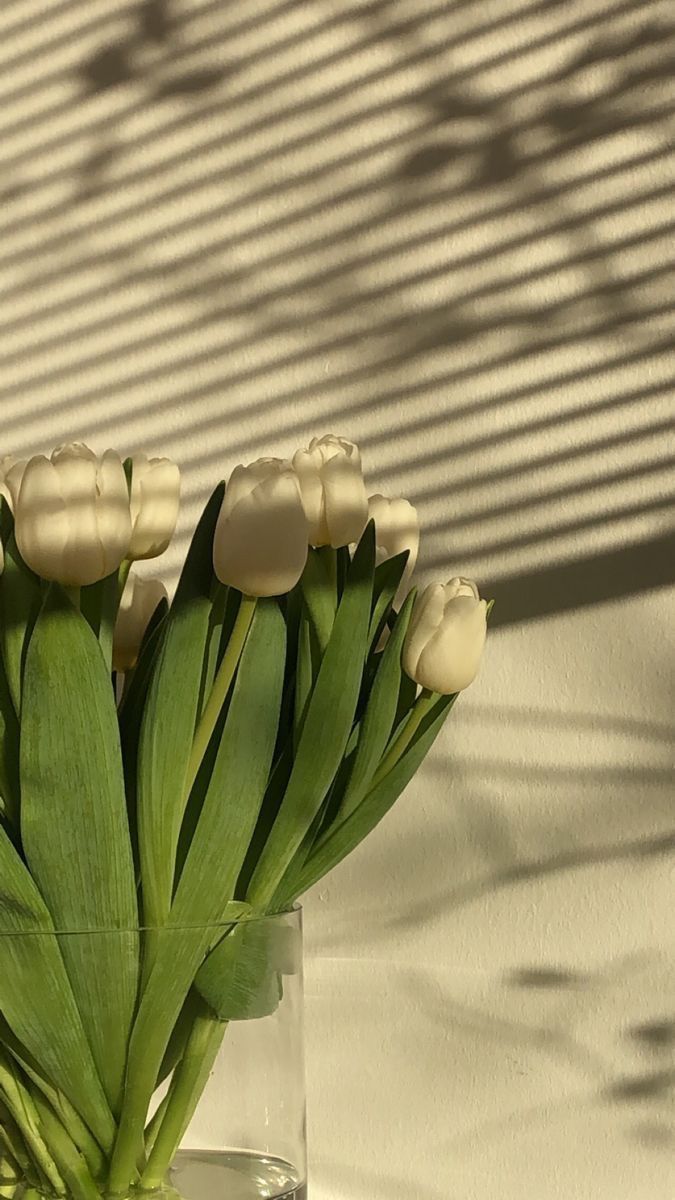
(295, 910)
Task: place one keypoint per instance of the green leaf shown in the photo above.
(388, 576)
(238, 980)
(346, 836)
(240, 774)
(214, 861)
(379, 716)
(308, 661)
(36, 998)
(406, 698)
(20, 600)
(214, 636)
(9, 753)
(327, 726)
(274, 794)
(342, 564)
(169, 720)
(319, 596)
(74, 825)
(130, 715)
(99, 603)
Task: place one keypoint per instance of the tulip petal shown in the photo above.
(11, 474)
(83, 554)
(139, 601)
(156, 500)
(426, 619)
(42, 527)
(307, 464)
(346, 500)
(460, 587)
(261, 548)
(140, 468)
(450, 660)
(112, 511)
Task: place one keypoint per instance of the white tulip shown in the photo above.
(446, 636)
(139, 601)
(260, 542)
(71, 514)
(397, 528)
(11, 474)
(154, 499)
(333, 491)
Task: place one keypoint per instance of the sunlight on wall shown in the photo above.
(445, 233)
(443, 229)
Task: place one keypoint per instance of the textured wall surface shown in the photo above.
(446, 231)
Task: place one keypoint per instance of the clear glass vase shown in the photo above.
(142, 1061)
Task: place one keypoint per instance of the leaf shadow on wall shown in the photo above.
(458, 141)
(551, 1015)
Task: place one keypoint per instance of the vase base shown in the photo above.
(234, 1175)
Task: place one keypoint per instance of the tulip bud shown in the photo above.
(139, 601)
(154, 500)
(396, 529)
(260, 541)
(71, 514)
(333, 491)
(446, 635)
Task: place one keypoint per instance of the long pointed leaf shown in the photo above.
(212, 866)
(345, 837)
(130, 716)
(388, 576)
(9, 752)
(379, 716)
(326, 729)
(169, 719)
(74, 824)
(20, 600)
(36, 997)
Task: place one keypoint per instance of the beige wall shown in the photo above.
(444, 230)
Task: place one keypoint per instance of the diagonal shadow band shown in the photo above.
(628, 571)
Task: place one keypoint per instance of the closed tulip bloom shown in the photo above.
(446, 636)
(260, 541)
(333, 491)
(139, 601)
(71, 514)
(154, 499)
(397, 528)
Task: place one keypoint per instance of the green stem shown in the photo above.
(328, 557)
(71, 1164)
(122, 576)
(423, 704)
(153, 1126)
(320, 596)
(187, 1085)
(73, 594)
(10, 1136)
(67, 1114)
(10, 1175)
(221, 686)
(23, 1112)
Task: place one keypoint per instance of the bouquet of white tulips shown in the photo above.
(170, 768)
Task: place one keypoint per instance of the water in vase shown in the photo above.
(235, 1175)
